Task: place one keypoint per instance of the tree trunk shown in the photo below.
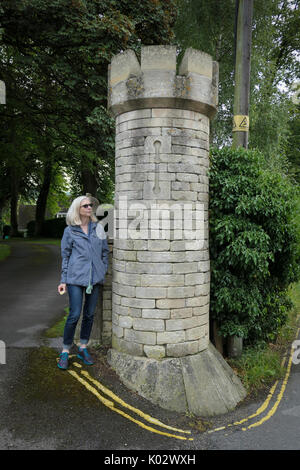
(41, 204)
(242, 73)
(14, 203)
(14, 185)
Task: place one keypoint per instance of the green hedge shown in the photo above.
(52, 228)
(254, 245)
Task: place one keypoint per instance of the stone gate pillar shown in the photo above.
(161, 272)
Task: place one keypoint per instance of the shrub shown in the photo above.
(52, 228)
(253, 244)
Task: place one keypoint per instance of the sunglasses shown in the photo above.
(87, 205)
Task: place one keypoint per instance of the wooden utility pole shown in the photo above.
(243, 38)
(242, 72)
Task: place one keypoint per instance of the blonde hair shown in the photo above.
(73, 216)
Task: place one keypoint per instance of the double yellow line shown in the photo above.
(86, 382)
(266, 403)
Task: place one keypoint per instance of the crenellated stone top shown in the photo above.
(154, 83)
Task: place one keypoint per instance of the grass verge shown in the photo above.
(260, 366)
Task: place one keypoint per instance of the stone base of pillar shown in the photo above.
(202, 384)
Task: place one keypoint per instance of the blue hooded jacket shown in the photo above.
(84, 257)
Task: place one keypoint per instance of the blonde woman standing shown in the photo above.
(84, 252)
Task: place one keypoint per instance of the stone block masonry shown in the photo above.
(157, 269)
(161, 269)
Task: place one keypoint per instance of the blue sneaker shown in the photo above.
(84, 355)
(63, 361)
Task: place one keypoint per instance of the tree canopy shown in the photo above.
(54, 61)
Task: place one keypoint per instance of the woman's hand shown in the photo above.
(62, 289)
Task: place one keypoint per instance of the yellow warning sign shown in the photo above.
(240, 123)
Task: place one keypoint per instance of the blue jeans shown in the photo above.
(75, 305)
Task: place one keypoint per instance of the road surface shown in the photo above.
(45, 408)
